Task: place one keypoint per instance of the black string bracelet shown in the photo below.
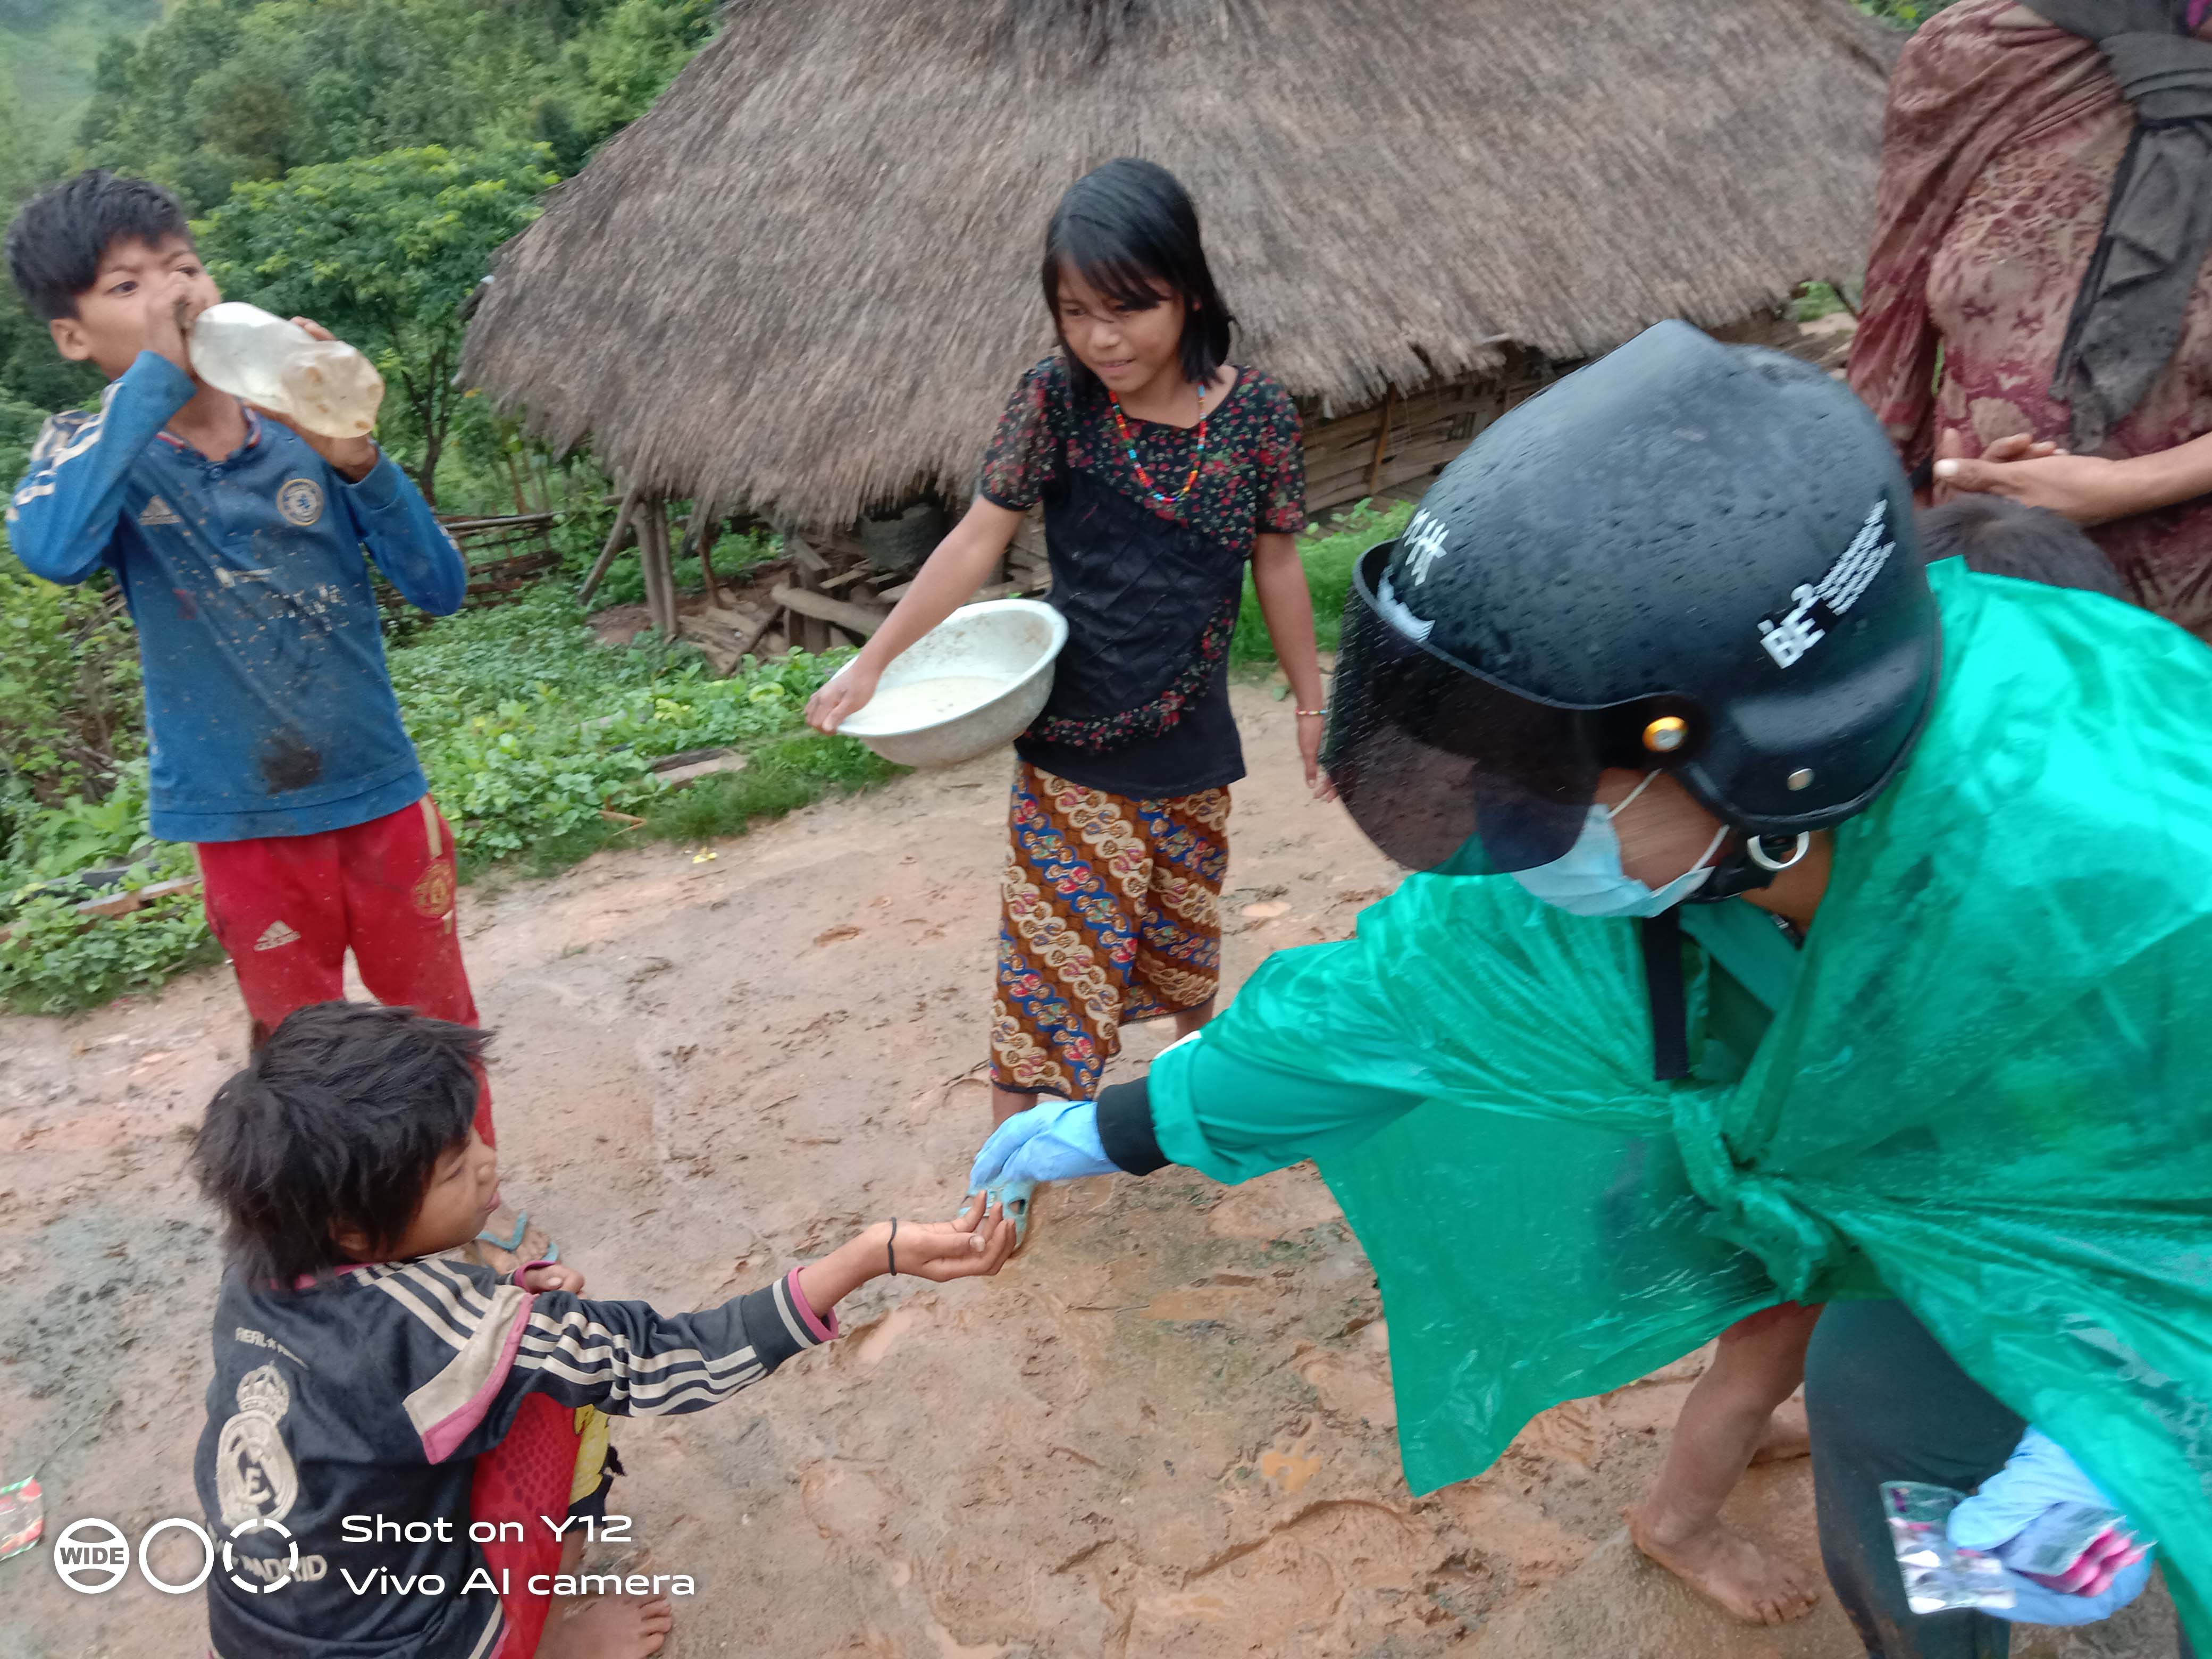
(890, 1248)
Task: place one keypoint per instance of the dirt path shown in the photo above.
(1166, 1431)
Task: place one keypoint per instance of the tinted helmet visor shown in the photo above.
(1442, 768)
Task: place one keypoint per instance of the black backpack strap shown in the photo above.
(1661, 937)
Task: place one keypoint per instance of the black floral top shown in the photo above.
(1251, 482)
(1151, 589)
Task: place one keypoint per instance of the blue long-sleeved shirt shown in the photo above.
(268, 709)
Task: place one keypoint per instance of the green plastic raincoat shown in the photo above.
(1988, 1091)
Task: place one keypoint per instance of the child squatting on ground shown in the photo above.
(362, 1366)
(1164, 469)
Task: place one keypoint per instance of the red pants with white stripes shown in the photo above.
(287, 907)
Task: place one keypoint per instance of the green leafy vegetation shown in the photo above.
(53, 962)
(1905, 14)
(1329, 552)
(219, 93)
(1815, 300)
(528, 726)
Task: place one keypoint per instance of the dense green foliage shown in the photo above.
(50, 46)
(71, 719)
(1329, 553)
(220, 92)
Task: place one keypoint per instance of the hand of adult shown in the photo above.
(847, 693)
(2039, 1479)
(1057, 1140)
(2085, 488)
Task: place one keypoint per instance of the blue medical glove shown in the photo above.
(2038, 1477)
(1057, 1140)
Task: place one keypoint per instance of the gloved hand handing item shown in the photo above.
(2038, 1491)
(1056, 1140)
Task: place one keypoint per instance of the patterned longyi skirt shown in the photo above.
(1109, 913)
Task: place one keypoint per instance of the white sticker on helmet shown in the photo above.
(1425, 545)
(1791, 636)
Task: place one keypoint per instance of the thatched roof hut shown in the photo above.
(804, 283)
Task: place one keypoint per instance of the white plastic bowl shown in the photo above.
(971, 684)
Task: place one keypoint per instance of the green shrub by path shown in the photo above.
(1328, 551)
(780, 776)
(51, 963)
(528, 726)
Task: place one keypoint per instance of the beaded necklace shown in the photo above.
(1145, 478)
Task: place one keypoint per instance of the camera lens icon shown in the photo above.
(261, 1523)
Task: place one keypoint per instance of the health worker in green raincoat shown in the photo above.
(1894, 993)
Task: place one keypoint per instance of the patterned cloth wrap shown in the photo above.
(1997, 163)
(1109, 913)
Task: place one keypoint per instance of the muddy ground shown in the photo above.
(1166, 1430)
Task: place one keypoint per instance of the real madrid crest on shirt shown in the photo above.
(300, 501)
(255, 1479)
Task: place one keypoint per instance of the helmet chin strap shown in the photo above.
(1750, 864)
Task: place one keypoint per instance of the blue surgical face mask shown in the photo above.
(1588, 881)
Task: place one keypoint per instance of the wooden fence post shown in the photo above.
(613, 546)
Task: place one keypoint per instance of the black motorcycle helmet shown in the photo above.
(1687, 556)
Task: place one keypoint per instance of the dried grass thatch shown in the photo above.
(805, 281)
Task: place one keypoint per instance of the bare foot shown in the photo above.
(1788, 1434)
(606, 1627)
(1720, 1563)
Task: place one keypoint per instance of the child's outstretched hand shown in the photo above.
(554, 1276)
(977, 1242)
(972, 1244)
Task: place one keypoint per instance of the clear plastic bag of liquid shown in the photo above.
(326, 385)
(1939, 1575)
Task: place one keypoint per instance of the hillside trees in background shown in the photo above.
(219, 93)
(382, 251)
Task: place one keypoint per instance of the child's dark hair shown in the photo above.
(57, 241)
(1124, 227)
(2001, 538)
(338, 1124)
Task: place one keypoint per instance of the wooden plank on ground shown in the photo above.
(858, 619)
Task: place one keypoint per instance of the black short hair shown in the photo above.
(1122, 227)
(339, 1123)
(2001, 538)
(57, 241)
